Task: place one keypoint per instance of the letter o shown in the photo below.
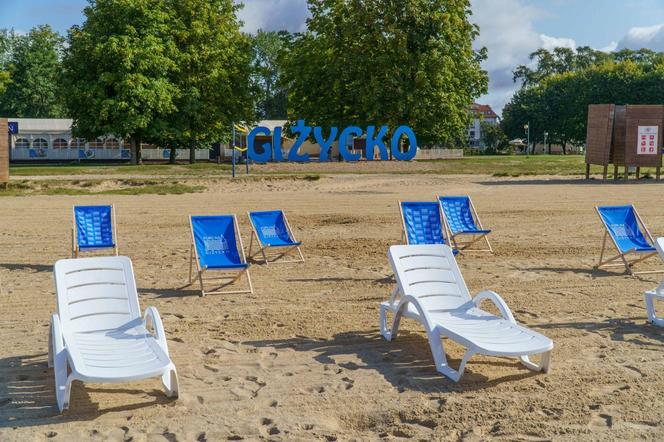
(406, 156)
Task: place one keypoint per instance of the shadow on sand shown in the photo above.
(27, 395)
(406, 362)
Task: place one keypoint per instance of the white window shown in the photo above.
(40, 143)
(22, 143)
(60, 143)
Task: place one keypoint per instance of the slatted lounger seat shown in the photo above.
(431, 290)
(98, 334)
(657, 294)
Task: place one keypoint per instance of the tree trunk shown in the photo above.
(173, 156)
(564, 147)
(192, 154)
(136, 154)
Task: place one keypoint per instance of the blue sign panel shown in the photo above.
(13, 127)
(375, 139)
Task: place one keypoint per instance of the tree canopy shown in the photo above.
(269, 50)
(211, 74)
(558, 103)
(30, 73)
(385, 62)
(117, 70)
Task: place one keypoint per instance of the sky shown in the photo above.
(509, 29)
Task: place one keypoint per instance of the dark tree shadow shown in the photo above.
(630, 330)
(33, 267)
(405, 362)
(566, 181)
(180, 292)
(591, 271)
(27, 395)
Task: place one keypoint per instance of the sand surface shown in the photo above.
(302, 358)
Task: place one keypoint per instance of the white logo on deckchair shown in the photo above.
(620, 230)
(269, 231)
(215, 244)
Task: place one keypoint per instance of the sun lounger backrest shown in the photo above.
(96, 293)
(215, 240)
(623, 226)
(271, 228)
(422, 223)
(94, 226)
(458, 213)
(431, 274)
(659, 245)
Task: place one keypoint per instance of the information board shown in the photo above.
(647, 140)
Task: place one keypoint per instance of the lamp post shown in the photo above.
(526, 127)
(546, 134)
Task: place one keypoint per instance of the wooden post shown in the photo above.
(658, 172)
(606, 169)
(4, 153)
(615, 172)
(638, 172)
(626, 173)
(587, 171)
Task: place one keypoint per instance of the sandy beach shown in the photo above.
(302, 358)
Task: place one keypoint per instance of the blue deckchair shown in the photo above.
(272, 231)
(215, 246)
(422, 223)
(625, 227)
(93, 229)
(461, 219)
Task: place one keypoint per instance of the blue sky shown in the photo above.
(510, 29)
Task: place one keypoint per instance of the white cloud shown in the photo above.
(274, 15)
(651, 37)
(550, 43)
(610, 47)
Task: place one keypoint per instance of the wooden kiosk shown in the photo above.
(625, 136)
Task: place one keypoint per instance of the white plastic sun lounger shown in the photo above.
(658, 293)
(98, 334)
(431, 290)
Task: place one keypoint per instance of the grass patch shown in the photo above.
(92, 187)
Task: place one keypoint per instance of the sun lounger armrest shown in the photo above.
(58, 339)
(497, 300)
(151, 315)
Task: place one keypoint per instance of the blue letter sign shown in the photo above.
(375, 139)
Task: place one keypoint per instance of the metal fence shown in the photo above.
(36, 154)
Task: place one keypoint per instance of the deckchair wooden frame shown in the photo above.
(265, 249)
(404, 234)
(228, 275)
(464, 246)
(623, 257)
(76, 251)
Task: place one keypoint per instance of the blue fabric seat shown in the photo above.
(629, 236)
(271, 229)
(422, 222)
(93, 227)
(459, 215)
(216, 244)
(622, 225)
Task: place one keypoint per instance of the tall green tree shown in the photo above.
(559, 103)
(117, 71)
(212, 61)
(387, 62)
(29, 82)
(269, 50)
